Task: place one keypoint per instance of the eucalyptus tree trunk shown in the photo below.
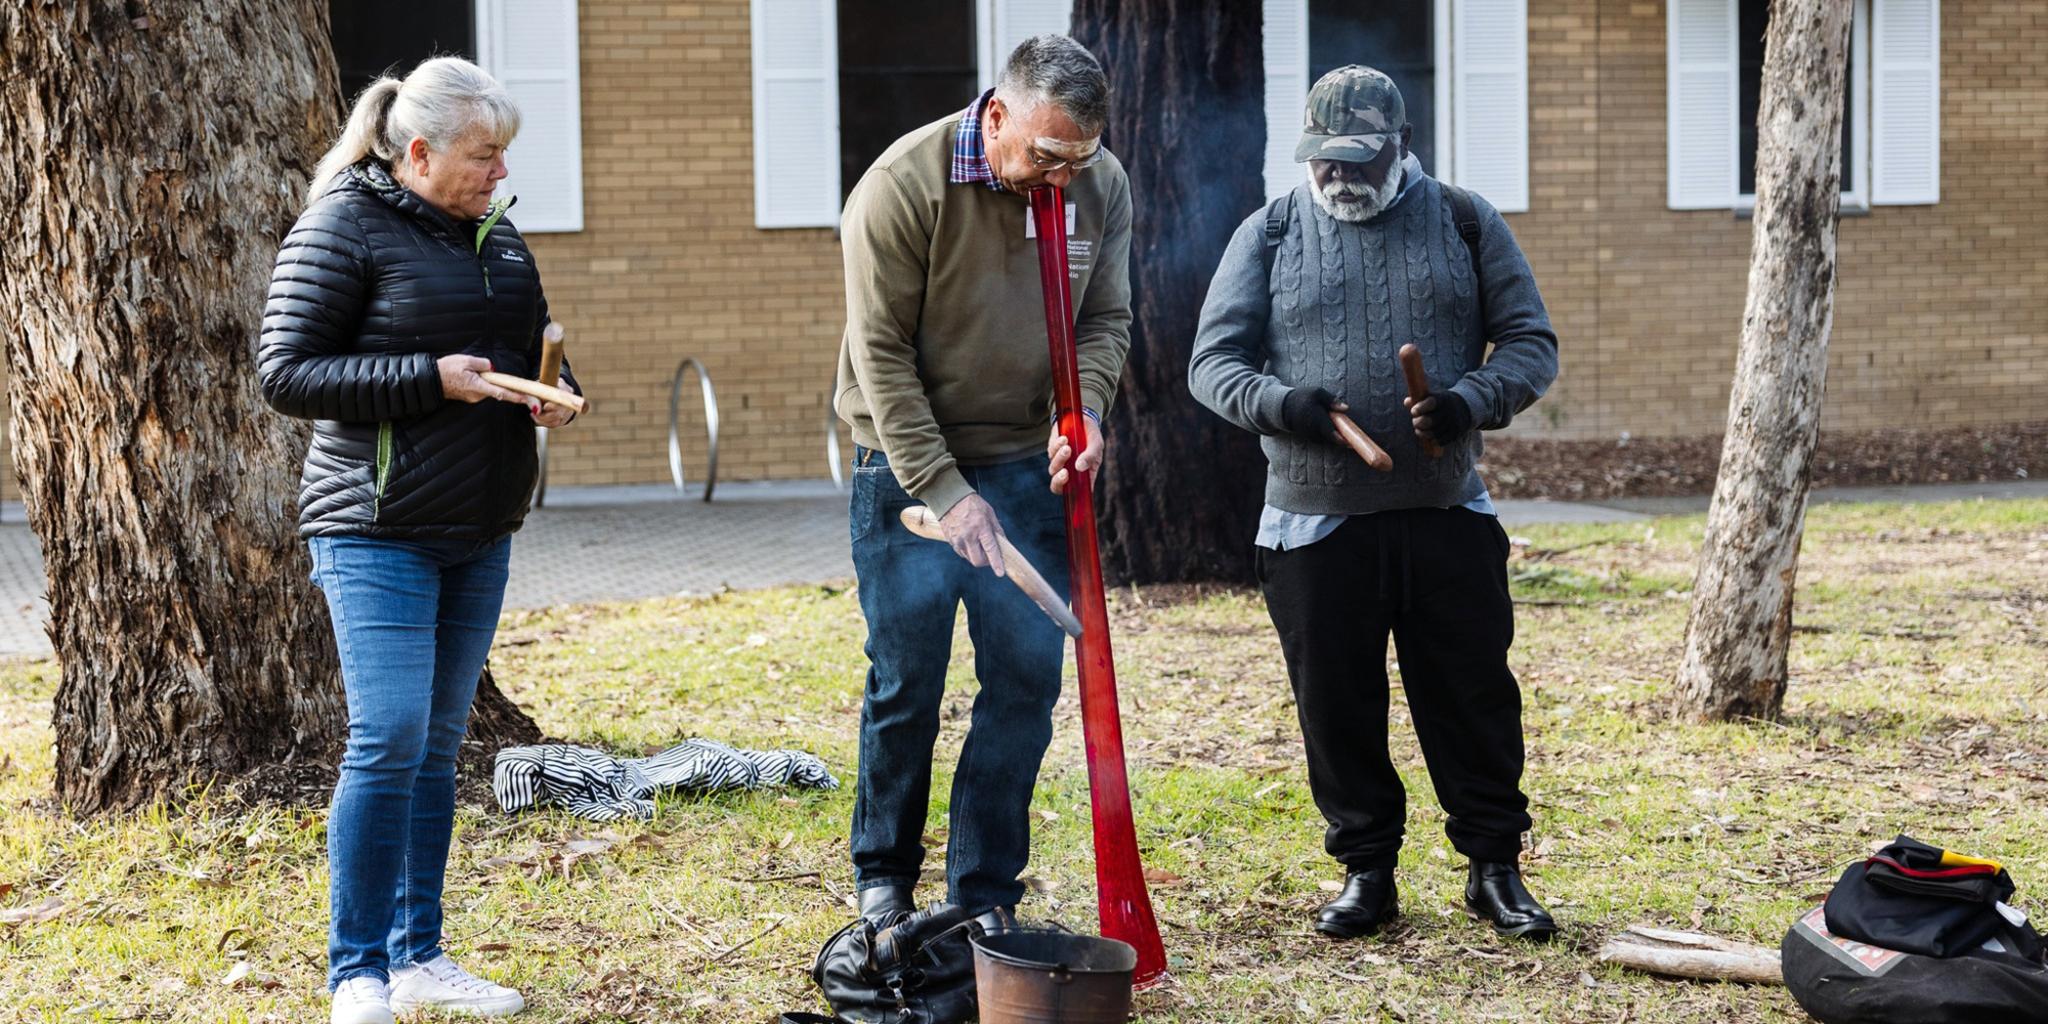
(151, 157)
(1738, 635)
(1180, 487)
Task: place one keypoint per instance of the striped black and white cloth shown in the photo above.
(592, 784)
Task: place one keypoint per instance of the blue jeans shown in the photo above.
(413, 621)
(909, 590)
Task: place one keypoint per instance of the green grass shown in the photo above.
(1919, 704)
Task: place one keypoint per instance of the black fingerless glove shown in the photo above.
(1306, 412)
(1451, 419)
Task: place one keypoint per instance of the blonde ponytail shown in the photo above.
(441, 101)
(362, 136)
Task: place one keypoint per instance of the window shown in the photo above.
(1752, 21)
(378, 37)
(1891, 127)
(902, 64)
(899, 65)
(1395, 36)
(530, 47)
(1462, 66)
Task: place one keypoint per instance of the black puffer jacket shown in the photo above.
(372, 286)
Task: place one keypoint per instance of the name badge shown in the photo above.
(1031, 225)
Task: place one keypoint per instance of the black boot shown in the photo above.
(1367, 902)
(886, 904)
(1494, 892)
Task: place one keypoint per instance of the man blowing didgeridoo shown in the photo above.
(944, 377)
(1315, 297)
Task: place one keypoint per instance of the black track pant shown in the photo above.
(1437, 580)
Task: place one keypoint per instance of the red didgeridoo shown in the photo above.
(1125, 905)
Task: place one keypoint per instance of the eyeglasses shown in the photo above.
(1040, 160)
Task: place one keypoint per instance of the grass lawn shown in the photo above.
(1919, 704)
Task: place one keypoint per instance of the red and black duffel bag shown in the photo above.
(1918, 935)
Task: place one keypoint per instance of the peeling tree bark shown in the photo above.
(151, 157)
(1180, 488)
(1738, 635)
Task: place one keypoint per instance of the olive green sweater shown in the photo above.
(944, 361)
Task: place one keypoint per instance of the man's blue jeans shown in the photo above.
(413, 621)
(909, 590)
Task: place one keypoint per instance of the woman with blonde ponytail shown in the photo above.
(401, 282)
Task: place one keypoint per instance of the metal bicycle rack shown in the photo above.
(540, 445)
(832, 455)
(675, 444)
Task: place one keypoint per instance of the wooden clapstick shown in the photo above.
(1418, 388)
(1373, 454)
(550, 355)
(535, 389)
(920, 520)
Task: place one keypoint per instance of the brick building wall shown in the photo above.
(669, 264)
(1939, 309)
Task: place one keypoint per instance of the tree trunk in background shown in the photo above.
(1738, 635)
(151, 157)
(1181, 488)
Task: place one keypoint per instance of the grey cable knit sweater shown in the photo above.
(1342, 300)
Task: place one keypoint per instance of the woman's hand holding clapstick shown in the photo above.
(557, 405)
(467, 378)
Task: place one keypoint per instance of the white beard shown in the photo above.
(1375, 200)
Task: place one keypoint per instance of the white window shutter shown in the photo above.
(1490, 100)
(530, 46)
(1905, 108)
(1286, 91)
(796, 113)
(1700, 69)
(1013, 21)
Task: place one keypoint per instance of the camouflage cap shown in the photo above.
(1352, 113)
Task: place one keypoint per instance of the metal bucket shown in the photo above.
(1047, 976)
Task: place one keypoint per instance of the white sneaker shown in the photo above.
(362, 1000)
(439, 984)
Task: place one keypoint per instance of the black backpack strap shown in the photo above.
(1466, 216)
(1278, 213)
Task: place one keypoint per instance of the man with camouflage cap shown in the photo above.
(1314, 298)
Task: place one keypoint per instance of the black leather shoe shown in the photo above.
(1367, 902)
(885, 904)
(1494, 892)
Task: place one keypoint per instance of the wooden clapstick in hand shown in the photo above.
(535, 389)
(544, 387)
(550, 355)
(1418, 389)
(919, 520)
(1373, 454)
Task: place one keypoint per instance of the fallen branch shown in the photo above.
(1692, 955)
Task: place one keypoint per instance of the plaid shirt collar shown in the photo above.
(970, 154)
